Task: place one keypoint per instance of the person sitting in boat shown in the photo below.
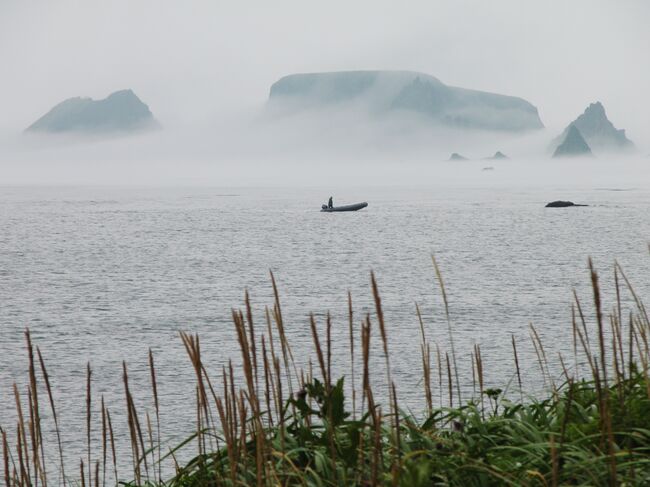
(330, 203)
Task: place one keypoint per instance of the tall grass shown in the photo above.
(284, 425)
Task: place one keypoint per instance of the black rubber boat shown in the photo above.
(354, 207)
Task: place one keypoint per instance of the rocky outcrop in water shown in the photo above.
(122, 111)
(498, 155)
(598, 132)
(573, 145)
(457, 157)
(561, 204)
(396, 93)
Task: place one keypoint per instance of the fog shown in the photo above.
(205, 69)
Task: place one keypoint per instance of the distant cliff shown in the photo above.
(122, 111)
(389, 93)
(598, 131)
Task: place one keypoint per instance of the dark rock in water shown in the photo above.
(498, 155)
(488, 168)
(573, 145)
(383, 94)
(598, 131)
(457, 157)
(122, 111)
(561, 204)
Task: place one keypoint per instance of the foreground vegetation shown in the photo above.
(274, 424)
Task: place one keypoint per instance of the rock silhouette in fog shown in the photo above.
(599, 133)
(383, 94)
(121, 111)
(573, 145)
(498, 155)
(457, 157)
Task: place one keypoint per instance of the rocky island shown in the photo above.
(498, 155)
(120, 112)
(598, 132)
(457, 157)
(394, 93)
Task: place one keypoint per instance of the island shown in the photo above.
(598, 132)
(394, 93)
(120, 112)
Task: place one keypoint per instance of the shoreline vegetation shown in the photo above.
(282, 425)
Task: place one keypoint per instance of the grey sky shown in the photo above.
(197, 61)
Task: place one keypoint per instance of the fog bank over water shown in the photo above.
(334, 148)
(103, 163)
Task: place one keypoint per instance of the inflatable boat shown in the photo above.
(354, 207)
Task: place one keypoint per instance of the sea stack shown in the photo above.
(573, 145)
(498, 155)
(599, 133)
(120, 112)
(457, 157)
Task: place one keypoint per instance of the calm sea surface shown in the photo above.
(101, 275)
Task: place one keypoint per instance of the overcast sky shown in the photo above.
(196, 61)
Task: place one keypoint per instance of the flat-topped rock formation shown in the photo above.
(394, 93)
(121, 111)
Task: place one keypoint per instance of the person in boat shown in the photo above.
(330, 203)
